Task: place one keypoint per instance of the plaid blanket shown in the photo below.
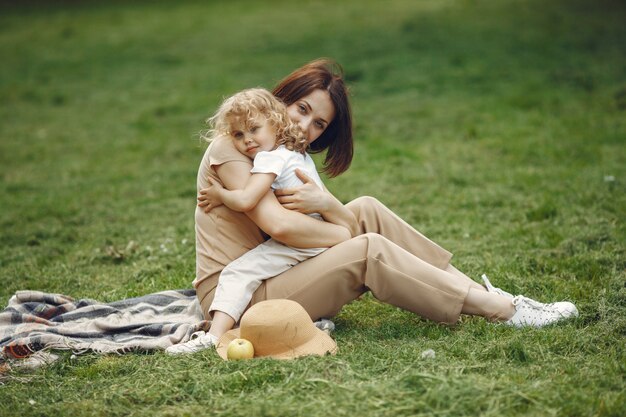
(34, 321)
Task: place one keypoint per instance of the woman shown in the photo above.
(384, 255)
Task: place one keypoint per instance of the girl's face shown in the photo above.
(253, 137)
(313, 113)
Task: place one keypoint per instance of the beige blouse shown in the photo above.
(222, 235)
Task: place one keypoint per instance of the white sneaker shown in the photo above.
(496, 290)
(533, 313)
(34, 361)
(199, 341)
(325, 325)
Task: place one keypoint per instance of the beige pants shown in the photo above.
(399, 265)
(241, 278)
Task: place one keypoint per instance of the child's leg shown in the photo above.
(241, 278)
(221, 323)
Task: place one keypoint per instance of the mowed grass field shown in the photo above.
(497, 128)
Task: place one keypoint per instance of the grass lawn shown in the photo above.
(497, 128)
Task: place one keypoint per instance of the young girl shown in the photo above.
(260, 129)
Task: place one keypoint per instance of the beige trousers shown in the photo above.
(399, 265)
(241, 278)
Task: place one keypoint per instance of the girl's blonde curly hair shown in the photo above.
(245, 108)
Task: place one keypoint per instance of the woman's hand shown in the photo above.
(209, 198)
(307, 198)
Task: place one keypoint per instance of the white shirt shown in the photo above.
(283, 162)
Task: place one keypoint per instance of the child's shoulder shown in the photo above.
(281, 154)
(284, 152)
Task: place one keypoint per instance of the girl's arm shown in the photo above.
(287, 226)
(241, 200)
(309, 198)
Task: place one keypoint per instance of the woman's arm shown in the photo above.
(309, 198)
(245, 199)
(335, 212)
(287, 226)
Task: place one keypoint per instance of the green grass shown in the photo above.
(494, 127)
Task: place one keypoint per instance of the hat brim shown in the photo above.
(320, 344)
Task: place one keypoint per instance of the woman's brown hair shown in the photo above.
(324, 74)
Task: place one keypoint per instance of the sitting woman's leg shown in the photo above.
(324, 284)
(375, 217)
(461, 276)
(493, 307)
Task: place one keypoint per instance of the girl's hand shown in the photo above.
(209, 198)
(307, 198)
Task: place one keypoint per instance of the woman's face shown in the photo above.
(313, 113)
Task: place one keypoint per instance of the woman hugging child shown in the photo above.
(258, 124)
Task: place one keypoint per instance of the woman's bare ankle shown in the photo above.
(506, 309)
(493, 307)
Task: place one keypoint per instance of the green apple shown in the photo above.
(240, 349)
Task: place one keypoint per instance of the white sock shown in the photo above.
(214, 339)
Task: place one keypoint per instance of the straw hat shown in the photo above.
(279, 329)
